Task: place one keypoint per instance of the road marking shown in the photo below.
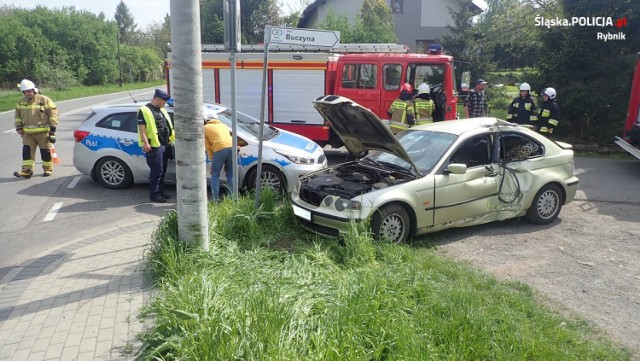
(10, 131)
(73, 182)
(52, 213)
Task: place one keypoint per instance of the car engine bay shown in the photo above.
(349, 180)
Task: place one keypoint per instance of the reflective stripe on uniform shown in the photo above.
(553, 122)
(533, 118)
(34, 129)
(545, 113)
(509, 116)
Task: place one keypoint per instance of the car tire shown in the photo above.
(113, 173)
(391, 223)
(546, 205)
(271, 176)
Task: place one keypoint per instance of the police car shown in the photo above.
(106, 149)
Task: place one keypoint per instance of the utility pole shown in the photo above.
(193, 223)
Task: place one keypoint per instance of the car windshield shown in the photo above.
(424, 147)
(248, 124)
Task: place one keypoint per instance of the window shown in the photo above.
(361, 76)
(474, 152)
(391, 74)
(517, 147)
(121, 121)
(395, 5)
(423, 73)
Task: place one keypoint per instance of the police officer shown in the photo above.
(155, 135)
(402, 110)
(523, 109)
(36, 120)
(424, 105)
(549, 115)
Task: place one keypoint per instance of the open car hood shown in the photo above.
(359, 128)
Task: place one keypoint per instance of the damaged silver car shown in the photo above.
(433, 177)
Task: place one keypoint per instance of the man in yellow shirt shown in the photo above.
(218, 144)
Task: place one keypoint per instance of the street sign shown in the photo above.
(296, 36)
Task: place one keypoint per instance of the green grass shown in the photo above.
(268, 290)
(9, 98)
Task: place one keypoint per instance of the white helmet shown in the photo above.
(550, 92)
(525, 86)
(27, 84)
(423, 88)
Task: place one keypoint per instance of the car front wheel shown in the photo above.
(545, 206)
(391, 224)
(271, 177)
(113, 173)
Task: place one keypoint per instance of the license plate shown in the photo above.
(302, 213)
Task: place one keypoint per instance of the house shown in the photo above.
(418, 23)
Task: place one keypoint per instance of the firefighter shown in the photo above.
(36, 120)
(402, 110)
(523, 109)
(424, 105)
(155, 137)
(549, 112)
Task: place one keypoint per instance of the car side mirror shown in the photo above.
(456, 168)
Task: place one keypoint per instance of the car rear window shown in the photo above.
(119, 121)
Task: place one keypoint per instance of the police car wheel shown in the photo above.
(113, 173)
(271, 177)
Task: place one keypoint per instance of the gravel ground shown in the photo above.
(587, 261)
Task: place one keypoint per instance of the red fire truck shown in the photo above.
(369, 74)
(630, 140)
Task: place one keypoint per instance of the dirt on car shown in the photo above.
(586, 263)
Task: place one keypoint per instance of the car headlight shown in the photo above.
(342, 204)
(297, 159)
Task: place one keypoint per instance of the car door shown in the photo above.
(464, 199)
(119, 138)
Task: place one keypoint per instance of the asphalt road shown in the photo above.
(40, 214)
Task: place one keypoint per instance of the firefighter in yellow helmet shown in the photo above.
(36, 120)
(402, 110)
(424, 105)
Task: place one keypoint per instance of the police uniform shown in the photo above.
(160, 134)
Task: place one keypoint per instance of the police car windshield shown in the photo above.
(248, 124)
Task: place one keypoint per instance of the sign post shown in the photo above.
(231, 17)
(291, 36)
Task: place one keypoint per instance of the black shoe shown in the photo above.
(165, 196)
(158, 199)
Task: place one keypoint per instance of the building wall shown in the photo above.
(417, 22)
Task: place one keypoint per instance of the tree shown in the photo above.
(126, 24)
(507, 28)
(466, 42)
(373, 24)
(254, 16)
(592, 77)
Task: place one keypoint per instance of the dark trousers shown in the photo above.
(157, 160)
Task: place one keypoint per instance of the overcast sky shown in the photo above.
(145, 12)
